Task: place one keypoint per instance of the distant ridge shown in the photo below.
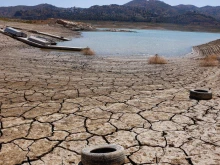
(146, 3)
(10, 11)
(136, 10)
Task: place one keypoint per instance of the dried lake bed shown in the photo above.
(53, 104)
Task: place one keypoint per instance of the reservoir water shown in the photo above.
(142, 42)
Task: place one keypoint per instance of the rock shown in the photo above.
(75, 26)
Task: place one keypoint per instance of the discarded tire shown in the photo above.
(103, 155)
(199, 94)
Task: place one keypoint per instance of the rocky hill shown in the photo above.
(11, 11)
(152, 6)
(42, 11)
(192, 18)
(212, 11)
(135, 10)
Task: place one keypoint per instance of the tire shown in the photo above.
(103, 155)
(199, 94)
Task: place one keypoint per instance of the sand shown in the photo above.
(53, 104)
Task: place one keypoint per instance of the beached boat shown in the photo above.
(35, 41)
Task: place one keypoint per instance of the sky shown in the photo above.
(88, 3)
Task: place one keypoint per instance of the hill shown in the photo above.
(42, 11)
(147, 3)
(135, 10)
(10, 11)
(152, 6)
(192, 18)
(212, 11)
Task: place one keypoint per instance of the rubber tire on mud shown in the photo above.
(199, 94)
(115, 157)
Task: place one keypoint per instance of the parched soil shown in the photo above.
(53, 104)
(211, 48)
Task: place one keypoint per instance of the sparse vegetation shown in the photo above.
(157, 60)
(88, 51)
(210, 60)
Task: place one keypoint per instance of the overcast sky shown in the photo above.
(88, 3)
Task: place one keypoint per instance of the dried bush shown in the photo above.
(157, 60)
(88, 51)
(210, 60)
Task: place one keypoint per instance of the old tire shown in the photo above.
(199, 94)
(103, 155)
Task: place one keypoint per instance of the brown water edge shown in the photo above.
(144, 25)
(129, 25)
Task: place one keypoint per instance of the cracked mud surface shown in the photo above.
(53, 104)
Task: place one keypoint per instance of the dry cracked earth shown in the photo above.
(53, 104)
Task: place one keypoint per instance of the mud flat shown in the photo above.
(53, 104)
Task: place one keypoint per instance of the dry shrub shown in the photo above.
(210, 60)
(88, 51)
(157, 60)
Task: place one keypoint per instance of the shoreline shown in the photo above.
(129, 25)
(143, 25)
(194, 48)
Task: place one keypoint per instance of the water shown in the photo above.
(142, 42)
